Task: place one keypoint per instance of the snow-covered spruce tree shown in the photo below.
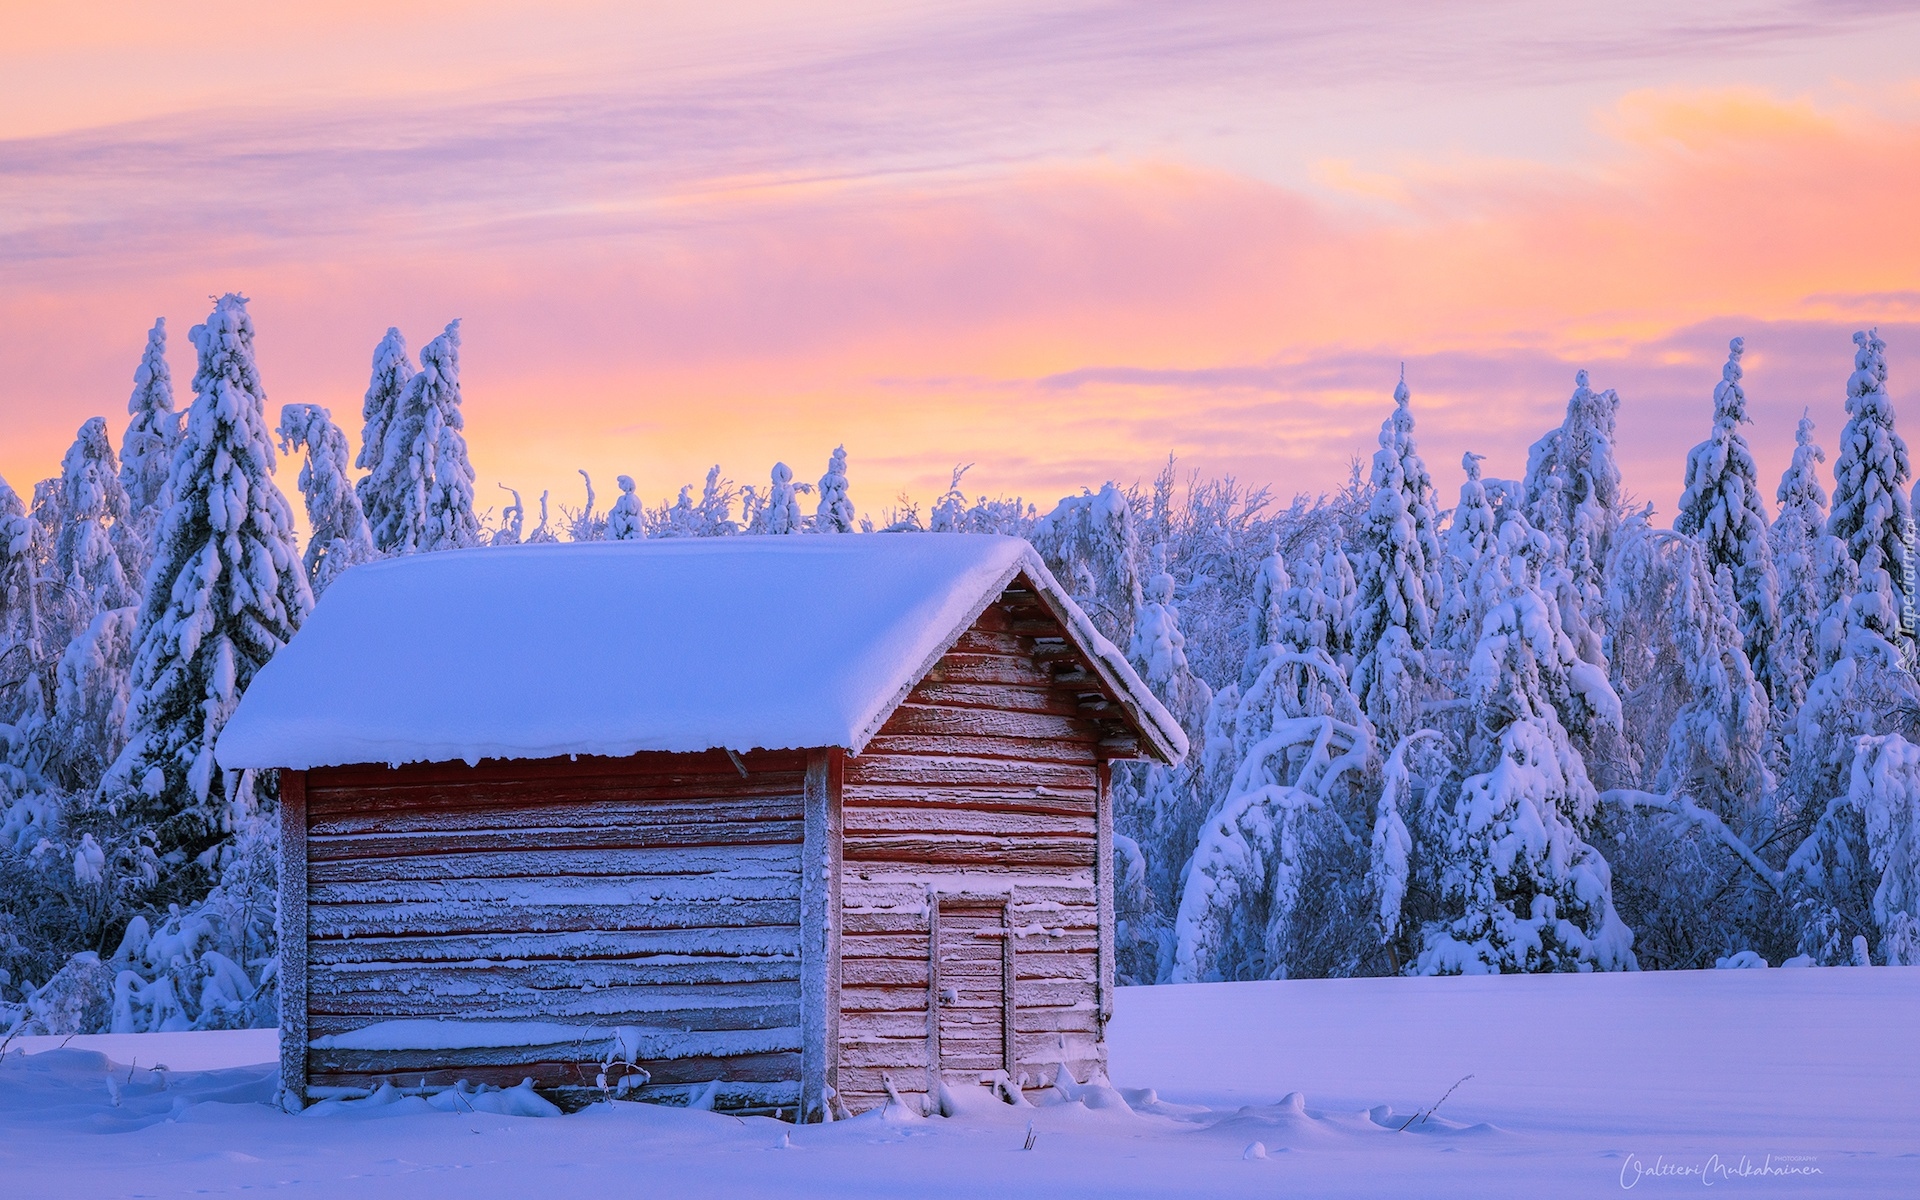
(1878, 815)
(1090, 544)
(626, 521)
(835, 512)
(1572, 486)
(1341, 593)
(146, 450)
(338, 537)
(92, 506)
(424, 480)
(1698, 732)
(1863, 686)
(1396, 575)
(225, 592)
(392, 370)
(92, 691)
(37, 615)
(1471, 537)
(782, 513)
(1521, 888)
(1799, 524)
(1722, 508)
(1870, 476)
(1716, 751)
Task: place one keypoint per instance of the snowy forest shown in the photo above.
(1525, 727)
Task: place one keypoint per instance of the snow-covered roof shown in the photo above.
(619, 647)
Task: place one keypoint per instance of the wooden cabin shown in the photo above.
(769, 822)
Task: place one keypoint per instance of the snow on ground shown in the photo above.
(1580, 1085)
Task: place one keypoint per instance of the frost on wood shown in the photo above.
(225, 592)
(338, 536)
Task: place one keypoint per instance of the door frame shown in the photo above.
(1003, 903)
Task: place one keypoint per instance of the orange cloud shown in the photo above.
(1062, 323)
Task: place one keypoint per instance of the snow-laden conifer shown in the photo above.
(146, 450)
(1340, 591)
(1395, 572)
(1470, 540)
(1799, 524)
(835, 511)
(1871, 512)
(1521, 887)
(1572, 485)
(1723, 509)
(92, 506)
(338, 536)
(782, 514)
(626, 522)
(226, 591)
(424, 479)
(379, 488)
(1884, 790)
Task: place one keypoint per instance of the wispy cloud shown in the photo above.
(1060, 241)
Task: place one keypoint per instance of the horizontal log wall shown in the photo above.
(983, 784)
(659, 894)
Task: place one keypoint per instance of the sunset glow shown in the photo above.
(680, 240)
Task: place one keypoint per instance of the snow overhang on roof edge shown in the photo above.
(1158, 729)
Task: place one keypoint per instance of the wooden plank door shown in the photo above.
(972, 991)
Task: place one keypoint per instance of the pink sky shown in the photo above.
(1060, 241)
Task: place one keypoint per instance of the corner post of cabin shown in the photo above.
(820, 865)
(1103, 892)
(293, 939)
